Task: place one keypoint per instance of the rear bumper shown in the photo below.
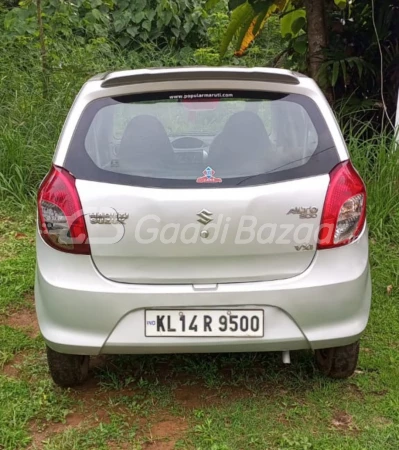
(81, 312)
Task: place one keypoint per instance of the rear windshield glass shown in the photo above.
(201, 139)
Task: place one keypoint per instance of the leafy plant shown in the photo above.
(128, 22)
(344, 67)
(292, 21)
(247, 20)
(347, 64)
(166, 21)
(359, 37)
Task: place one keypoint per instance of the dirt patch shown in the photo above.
(282, 418)
(170, 445)
(192, 397)
(23, 318)
(169, 428)
(72, 420)
(166, 433)
(343, 421)
(11, 368)
(119, 446)
(354, 390)
(42, 431)
(196, 396)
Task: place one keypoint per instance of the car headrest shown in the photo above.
(243, 141)
(145, 143)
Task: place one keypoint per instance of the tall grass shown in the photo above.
(376, 156)
(29, 128)
(30, 124)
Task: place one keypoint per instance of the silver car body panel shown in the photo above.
(81, 312)
(137, 254)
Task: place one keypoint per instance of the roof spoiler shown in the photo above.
(123, 78)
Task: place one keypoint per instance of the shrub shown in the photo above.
(130, 23)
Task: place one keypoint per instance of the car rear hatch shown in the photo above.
(251, 235)
(202, 187)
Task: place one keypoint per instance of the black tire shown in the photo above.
(67, 370)
(338, 362)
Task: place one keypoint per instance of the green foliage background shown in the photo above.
(85, 37)
(126, 22)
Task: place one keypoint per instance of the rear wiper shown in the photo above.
(284, 165)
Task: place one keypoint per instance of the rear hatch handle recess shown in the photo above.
(205, 287)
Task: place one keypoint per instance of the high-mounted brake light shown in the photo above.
(344, 211)
(61, 220)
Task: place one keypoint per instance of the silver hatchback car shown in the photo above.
(201, 210)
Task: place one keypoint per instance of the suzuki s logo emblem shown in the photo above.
(205, 217)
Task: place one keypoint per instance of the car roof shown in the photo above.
(125, 77)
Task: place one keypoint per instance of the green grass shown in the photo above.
(12, 341)
(17, 255)
(23, 400)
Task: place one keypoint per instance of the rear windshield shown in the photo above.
(201, 139)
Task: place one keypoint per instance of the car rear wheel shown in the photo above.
(338, 362)
(67, 370)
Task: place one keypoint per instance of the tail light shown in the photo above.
(61, 220)
(344, 210)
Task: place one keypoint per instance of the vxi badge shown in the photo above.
(304, 213)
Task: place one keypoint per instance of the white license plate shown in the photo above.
(204, 322)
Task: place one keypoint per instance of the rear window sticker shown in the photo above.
(209, 176)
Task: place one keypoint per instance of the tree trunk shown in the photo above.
(317, 37)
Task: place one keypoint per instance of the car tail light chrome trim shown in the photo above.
(344, 211)
(61, 220)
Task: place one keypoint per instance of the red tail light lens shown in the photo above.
(61, 220)
(344, 210)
